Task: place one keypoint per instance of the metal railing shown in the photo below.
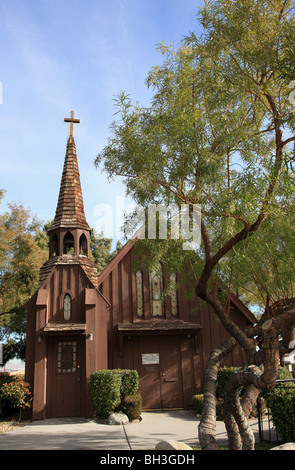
(267, 430)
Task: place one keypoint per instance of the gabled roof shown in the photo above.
(124, 250)
(89, 268)
(70, 208)
(127, 247)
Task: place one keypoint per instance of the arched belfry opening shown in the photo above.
(83, 248)
(54, 245)
(68, 244)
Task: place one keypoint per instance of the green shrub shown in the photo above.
(281, 402)
(198, 406)
(110, 387)
(105, 391)
(130, 382)
(133, 406)
(198, 403)
(283, 373)
(17, 394)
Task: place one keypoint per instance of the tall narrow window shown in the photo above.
(156, 288)
(139, 293)
(173, 295)
(67, 307)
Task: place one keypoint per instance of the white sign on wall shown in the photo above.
(151, 358)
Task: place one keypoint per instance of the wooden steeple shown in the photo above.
(70, 207)
(70, 222)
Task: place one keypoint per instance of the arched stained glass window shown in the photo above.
(139, 293)
(173, 295)
(67, 307)
(156, 289)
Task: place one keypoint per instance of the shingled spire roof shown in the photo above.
(70, 208)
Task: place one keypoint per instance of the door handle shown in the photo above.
(162, 373)
(78, 379)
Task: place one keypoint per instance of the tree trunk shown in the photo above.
(253, 378)
(236, 412)
(208, 420)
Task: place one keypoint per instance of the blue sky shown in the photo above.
(74, 54)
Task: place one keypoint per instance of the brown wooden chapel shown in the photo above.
(79, 322)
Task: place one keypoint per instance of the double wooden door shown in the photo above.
(159, 366)
(64, 376)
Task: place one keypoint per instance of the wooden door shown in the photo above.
(64, 377)
(170, 373)
(149, 372)
(160, 372)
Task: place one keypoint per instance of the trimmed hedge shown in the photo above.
(105, 391)
(130, 381)
(133, 406)
(198, 403)
(281, 402)
(109, 389)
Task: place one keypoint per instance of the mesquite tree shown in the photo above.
(217, 133)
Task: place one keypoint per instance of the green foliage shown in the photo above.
(17, 394)
(217, 133)
(20, 260)
(223, 377)
(284, 374)
(42, 237)
(6, 379)
(265, 264)
(281, 402)
(198, 406)
(100, 248)
(109, 388)
(133, 406)
(198, 403)
(14, 349)
(130, 381)
(105, 391)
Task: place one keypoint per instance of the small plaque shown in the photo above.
(152, 358)
(150, 369)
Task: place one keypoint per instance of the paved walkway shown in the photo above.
(86, 434)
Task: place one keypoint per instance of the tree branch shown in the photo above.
(291, 139)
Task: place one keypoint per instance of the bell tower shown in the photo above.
(70, 232)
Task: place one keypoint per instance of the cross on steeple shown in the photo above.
(72, 121)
